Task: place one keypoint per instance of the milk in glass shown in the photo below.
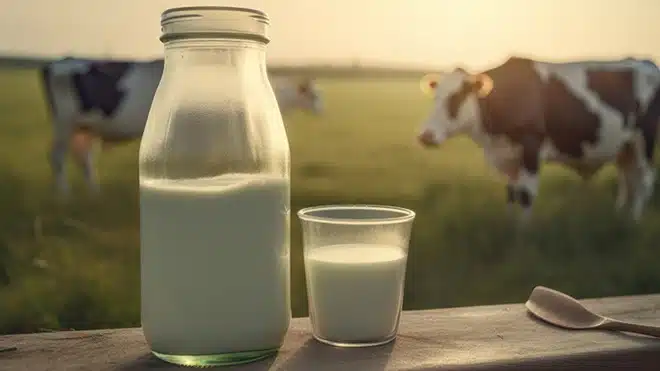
(356, 291)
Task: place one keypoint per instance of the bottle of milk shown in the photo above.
(214, 194)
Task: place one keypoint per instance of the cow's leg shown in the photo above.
(527, 190)
(648, 139)
(87, 165)
(635, 178)
(637, 197)
(623, 189)
(625, 175)
(644, 176)
(648, 182)
(82, 144)
(510, 197)
(527, 184)
(57, 159)
(508, 169)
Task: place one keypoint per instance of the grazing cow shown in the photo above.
(580, 114)
(110, 100)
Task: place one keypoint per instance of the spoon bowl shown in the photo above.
(565, 311)
(561, 310)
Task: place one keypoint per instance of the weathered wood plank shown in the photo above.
(502, 337)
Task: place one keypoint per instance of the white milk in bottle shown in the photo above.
(202, 237)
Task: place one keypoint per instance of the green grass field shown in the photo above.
(77, 266)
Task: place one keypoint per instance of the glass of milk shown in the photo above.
(355, 265)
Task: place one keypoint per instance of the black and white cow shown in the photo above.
(581, 114)
(110, 101)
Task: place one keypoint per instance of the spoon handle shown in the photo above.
(612, 324)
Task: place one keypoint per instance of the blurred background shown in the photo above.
(76, 265)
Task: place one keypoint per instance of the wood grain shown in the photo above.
(501, 337)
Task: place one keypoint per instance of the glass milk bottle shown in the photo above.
(214, 194)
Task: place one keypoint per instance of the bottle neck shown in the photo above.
(240, 55)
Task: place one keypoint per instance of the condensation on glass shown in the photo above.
(214, 194)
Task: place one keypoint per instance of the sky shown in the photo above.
(417, 33)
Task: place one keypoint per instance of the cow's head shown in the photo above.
(309, 96)
(456, 107)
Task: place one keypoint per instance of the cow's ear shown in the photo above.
(481, 84)
(429, 83)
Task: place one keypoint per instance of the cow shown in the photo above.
(110, 101)
(580, 114)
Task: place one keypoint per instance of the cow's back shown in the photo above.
(140, 86)
(591, 108)
(581, 112)
(599, 80)
(111, 99)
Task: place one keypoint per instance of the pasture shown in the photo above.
(77, 265)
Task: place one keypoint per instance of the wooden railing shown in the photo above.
(500, 337)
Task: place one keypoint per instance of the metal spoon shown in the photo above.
(565, 311)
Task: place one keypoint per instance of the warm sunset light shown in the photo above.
(416, 32)
(300, 185)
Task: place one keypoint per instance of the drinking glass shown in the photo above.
(355, 260)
